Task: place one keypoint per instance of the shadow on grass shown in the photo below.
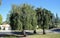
(20, 33)
(6, 35)
(15, 34)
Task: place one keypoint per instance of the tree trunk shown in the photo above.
(24, 33)
(44, 30)
(34, 31)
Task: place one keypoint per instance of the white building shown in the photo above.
(5, 27)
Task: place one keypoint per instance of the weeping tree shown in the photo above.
(49, 17)
(39, 14)
(41, 18)
(15, 18)
(23, 17)
(44, 18)
(29, 17)
(34, 23)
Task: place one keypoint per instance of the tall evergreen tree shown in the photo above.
(56, 20)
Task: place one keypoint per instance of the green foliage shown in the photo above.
(0, 19)
(56, 20)
(26, 17)
(44, 14)
(22, 17)
(44, 18)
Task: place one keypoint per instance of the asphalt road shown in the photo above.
(30, 32)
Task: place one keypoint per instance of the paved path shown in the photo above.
(30, 32)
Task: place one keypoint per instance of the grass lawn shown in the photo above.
(45, 36)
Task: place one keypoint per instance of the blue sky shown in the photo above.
(52, 5)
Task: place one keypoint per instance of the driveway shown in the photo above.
(56, 30)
